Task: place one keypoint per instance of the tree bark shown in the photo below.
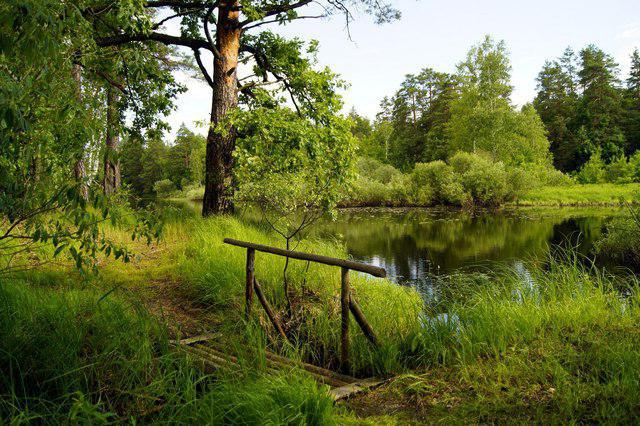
(218, 191)
(111, 178)
(79, 171)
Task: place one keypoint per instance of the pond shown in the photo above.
(414, 244)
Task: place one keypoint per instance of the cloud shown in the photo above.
(629, 32)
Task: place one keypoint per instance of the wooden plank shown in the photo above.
(311, 368)
(326, 260)
(351, 389)
(250, 276)
(195, 339)
(362, 321)
(344, 308)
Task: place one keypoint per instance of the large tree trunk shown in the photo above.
(218, 190)
(79, 171)
(111, 178)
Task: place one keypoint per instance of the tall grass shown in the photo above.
(69, 357)
(567, 333)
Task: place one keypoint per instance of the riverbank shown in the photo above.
(565, 348)
(576, 195)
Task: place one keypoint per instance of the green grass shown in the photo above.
(582, 195)
(69, 356)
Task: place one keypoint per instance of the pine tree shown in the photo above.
(600, 111)
(556, 104)
(632, 105)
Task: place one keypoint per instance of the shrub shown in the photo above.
(164, 187)
(484, 179)
(446, 185)
(619, 171)
(593, 171)
(375, 170)
(621, 241)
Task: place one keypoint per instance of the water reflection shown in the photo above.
(414, 244)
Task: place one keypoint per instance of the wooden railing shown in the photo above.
(347, 301)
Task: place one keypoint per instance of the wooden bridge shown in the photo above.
(205, 351)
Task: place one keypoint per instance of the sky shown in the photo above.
(438, 34)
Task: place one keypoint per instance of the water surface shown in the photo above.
(412, 244)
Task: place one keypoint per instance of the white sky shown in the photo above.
(437, 34)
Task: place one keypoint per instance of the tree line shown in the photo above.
(581, 109)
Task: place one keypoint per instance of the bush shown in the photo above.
(620, 171)
(164, 187)
(484, 179)
(621, 242)
(593, 171)
(443, 180)
(375, 170)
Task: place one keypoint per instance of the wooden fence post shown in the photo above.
(344, 305)
(248, 290)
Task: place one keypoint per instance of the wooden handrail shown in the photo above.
(347, 302)
(326, 260)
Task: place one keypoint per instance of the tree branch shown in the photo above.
(277, 10)
(205, 73)
(257, 24)
(166, 39)
(207, 33)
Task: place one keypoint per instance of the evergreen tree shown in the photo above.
(632, 105)
(131, 153)
(600, 110)
(556, 103)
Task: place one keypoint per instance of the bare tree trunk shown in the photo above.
(218, 191)
(111, 178)
(79, 171)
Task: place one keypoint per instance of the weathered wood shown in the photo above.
(351, 389)
(344, 308)
(267, 307)
(326, 260)
(362, 321)
(250, 276)
(310, 368)
(195, 339)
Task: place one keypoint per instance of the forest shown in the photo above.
(508, 235)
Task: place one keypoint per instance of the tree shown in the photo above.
(418, 113)
(232, 46)
(556, 103)
(186, 158)
(632, 105)
(46, 123)
(131, 153)
(482, 118)
(154, 164)
(600, 108)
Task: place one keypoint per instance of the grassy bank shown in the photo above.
(582, 195)
(556, 341)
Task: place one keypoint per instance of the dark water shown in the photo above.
(413, 244)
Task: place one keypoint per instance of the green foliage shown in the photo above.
(443, 181)
(482, 117)
(593, 170)
(185, 159)
(619, 170)
(621, 242)
(164, 187)
(485, 180)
